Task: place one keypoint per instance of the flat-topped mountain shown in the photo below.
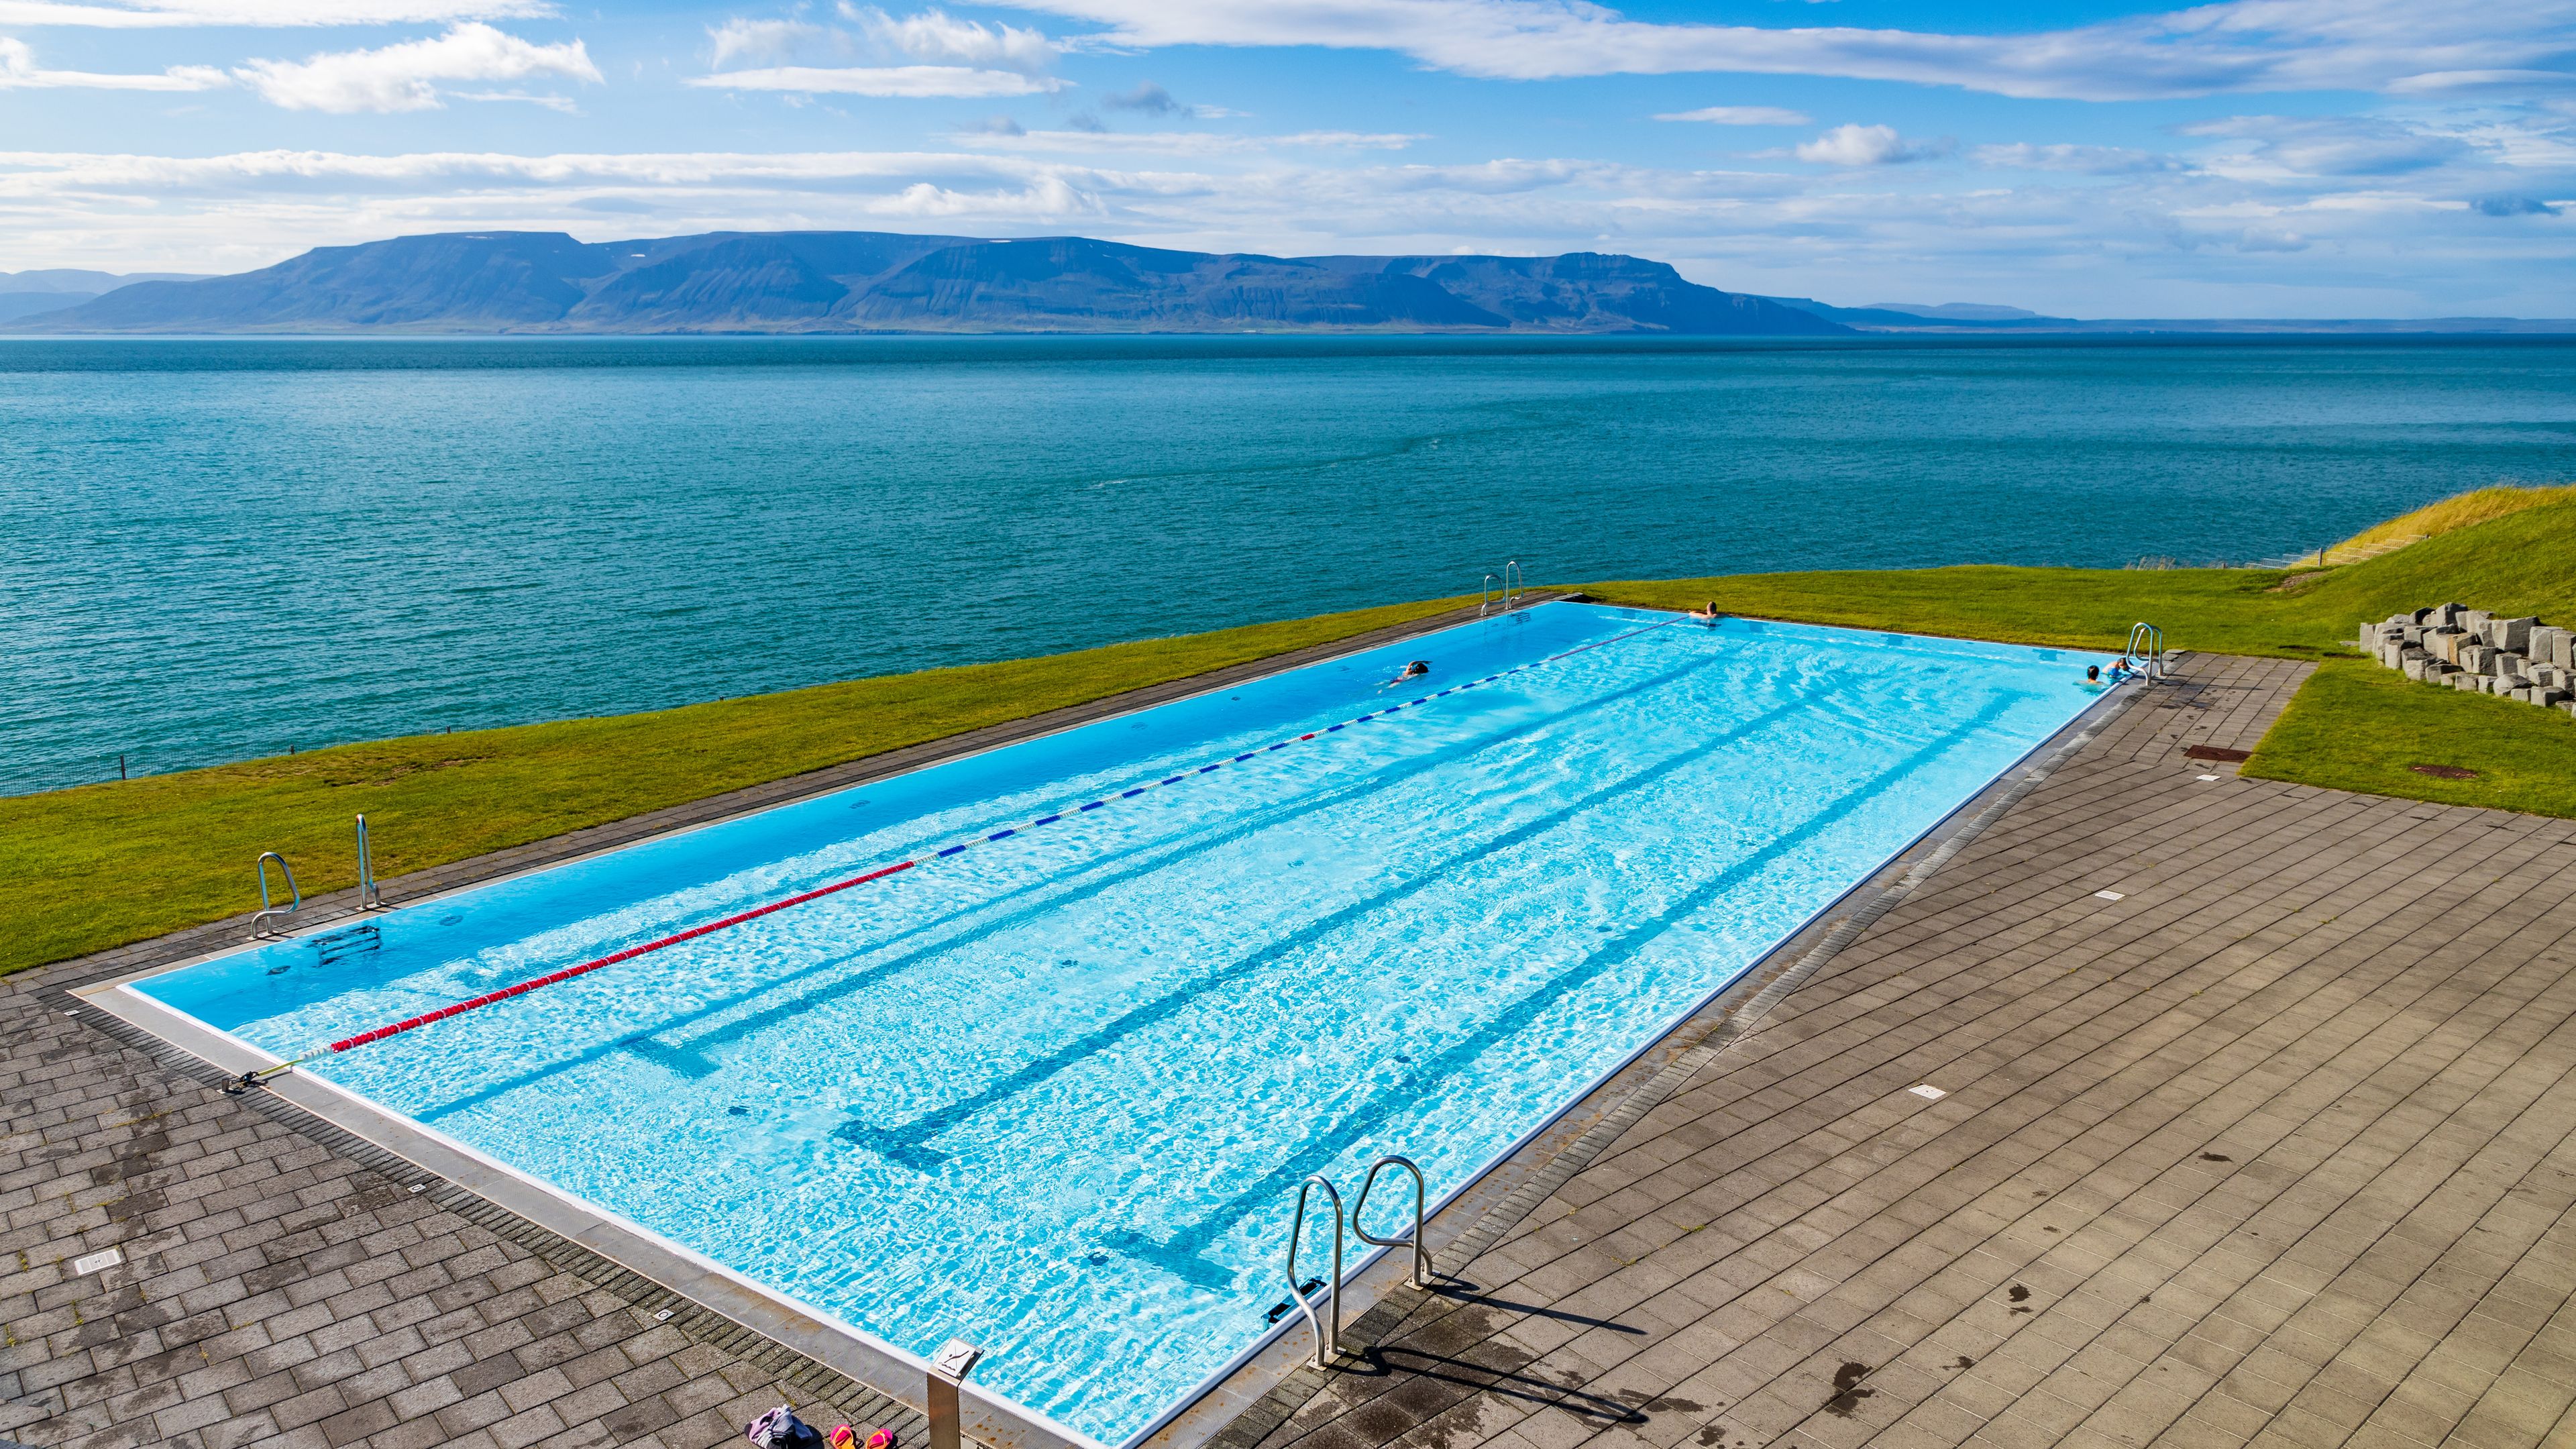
(895, 282)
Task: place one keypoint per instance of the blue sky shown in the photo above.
(2293, 158)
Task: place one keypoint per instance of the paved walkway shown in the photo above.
(2275, 1146)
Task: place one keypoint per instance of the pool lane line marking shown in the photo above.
(630, 953)
(686, 1058)
(907, 1144)
(1181, 1254)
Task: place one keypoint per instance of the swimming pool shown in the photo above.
(1052, 1086)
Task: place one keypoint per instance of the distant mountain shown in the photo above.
(14, 305)
(886, 281)
(1948, 317)
(66, 280)
(1959, 311)
(1976, 318)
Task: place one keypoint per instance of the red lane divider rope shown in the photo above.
(694, 932)
(611, 959)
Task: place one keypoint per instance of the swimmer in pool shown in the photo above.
(1415, 670)
(1709, 615)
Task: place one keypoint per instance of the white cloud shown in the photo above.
(2089, 160)
(407, 77)
(2314, 146)
(149, 14)
(2271, 239)
(1854, 145)
(1154, 100)
(2234, 45)
(546, 99)
(739, 39)
(1178, 143)
(19, 71)
(2438, 81)
(1740, 116)
(907, 81)
(934, 35)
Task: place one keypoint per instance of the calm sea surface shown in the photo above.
(218, 549)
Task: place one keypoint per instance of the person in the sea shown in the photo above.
(1415, 670)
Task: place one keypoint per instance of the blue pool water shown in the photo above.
(1054, 1095)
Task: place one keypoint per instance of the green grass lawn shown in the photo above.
(2354, 726)
(2524, 563)
(2358, 725)
(93, 867)
(99, 865)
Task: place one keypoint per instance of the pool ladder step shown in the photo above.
(2147, 646)
(369, 899)
(1327, 1326)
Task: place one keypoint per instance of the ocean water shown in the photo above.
(1054, 1093)
(211, 550)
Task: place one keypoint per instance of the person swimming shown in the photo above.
(1415, 670)
(1709, 615)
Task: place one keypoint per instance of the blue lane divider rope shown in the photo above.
(898, 867)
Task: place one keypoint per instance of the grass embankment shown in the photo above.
(2458, 511)
(2355, 726)
(2521, 563)
(89, 868)
(99, 865)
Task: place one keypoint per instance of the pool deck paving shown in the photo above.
(2279, 1147)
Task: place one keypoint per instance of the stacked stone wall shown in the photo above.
(2452, 644)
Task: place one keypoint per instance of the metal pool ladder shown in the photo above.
(1505, 589)
(368, 898)
(259, 923)
(1328, 1325)
(1326, 1343)
(1421, 1257)
(2147, 646)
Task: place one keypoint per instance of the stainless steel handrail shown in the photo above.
(1513, 583)
(1324, 1343)
(368, 898)
(1486, 599)
(1421, 1193)
(2146, 644)
(267, 908)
